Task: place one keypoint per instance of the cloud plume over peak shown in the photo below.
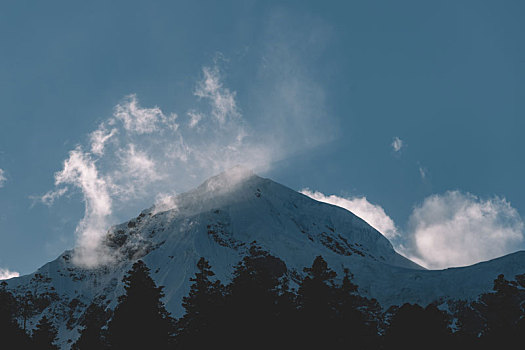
(142, 155)
(141, 151)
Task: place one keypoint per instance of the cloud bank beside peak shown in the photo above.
(458, 229)
(446, 230)
(7, 274)
(373, 214)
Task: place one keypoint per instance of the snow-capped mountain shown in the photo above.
(219, 220)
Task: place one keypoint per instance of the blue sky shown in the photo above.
(316, 92)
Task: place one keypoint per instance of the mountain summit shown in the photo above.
(219, 220)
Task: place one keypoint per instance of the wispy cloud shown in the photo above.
(423, 172)
(80, 170)
(287, 95)
(99, 138)
(140, 120)
(50, 197)
(143, 154)
(397, 144)
(195, 118)
(222, 100)
(140, 152)
(373, 214)
(3, 178)
(7, 274)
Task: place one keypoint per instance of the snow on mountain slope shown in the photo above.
(219, 220)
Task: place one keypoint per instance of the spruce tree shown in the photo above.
(45, 335)
(91, 336)
(356, 316)
(11, 335)
(253, 300)
(501, 311)
(414, 327)
(316, 296)
(204, 304)
(140, 320)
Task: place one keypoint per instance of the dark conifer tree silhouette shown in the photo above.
(92, 335)
(316, 296)
(253, 297)
(356, 316)
(45, 335)
(501, 312)
(11, 335)
(140, 320)
(199, 327)
(414, 327)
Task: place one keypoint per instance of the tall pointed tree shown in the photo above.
(45, 335)
(501, 311)
(253, 299)
(91, 336)
(356, 316)
(414, 327)
(316, 296)
(204, 306)
(11, 335)
(140, 320)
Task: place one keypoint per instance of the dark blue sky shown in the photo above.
(333, 82)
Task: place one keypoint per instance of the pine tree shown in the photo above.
(501, 311)
(356, 316)
(199, 325)
(316, 296)
(45, 335)
(253, 300)
(11, 335)
(414, 327)
(140, 320)
(91, 336)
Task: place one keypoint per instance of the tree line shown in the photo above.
(259, 310)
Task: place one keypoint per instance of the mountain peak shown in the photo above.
(228, 179)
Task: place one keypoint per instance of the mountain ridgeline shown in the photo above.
(231, 217)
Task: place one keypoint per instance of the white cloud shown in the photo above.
(164, 201)
(423, 172)
(360, 206)
(288, 96)
(457, 229)
(137, 169)
(3, 179)
(50, 197)
(6, 274)
(142, 120)
(99, 137)
(139, 152)
(195, 118)
(222, 99)
(80, 170)
(397, 144)
(453, 229)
